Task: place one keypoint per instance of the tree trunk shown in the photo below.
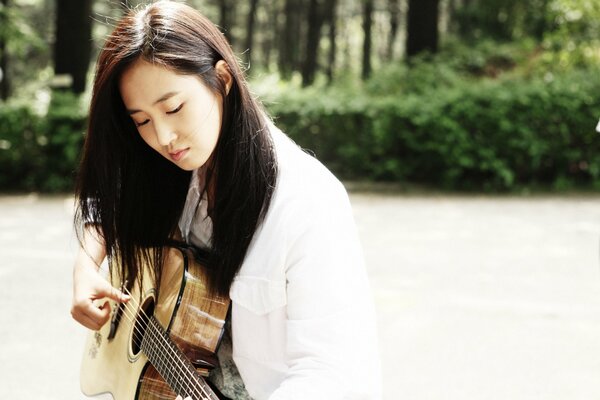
(72, 48)
(5, 77)
(422, 27)
(367, 28)
(539, 24)
(331, 21)
(452, 16)
(394, 9)
(250, 29)
(315, 22)
(289, 46)
(271, 33)
(226, 19)
(463, 18)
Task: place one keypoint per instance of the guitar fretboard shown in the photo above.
(173, 366)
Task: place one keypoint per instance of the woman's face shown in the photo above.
(176, 115)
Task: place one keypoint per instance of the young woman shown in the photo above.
(176, 145)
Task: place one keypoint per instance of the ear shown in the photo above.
(224, 74)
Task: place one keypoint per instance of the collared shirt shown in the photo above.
(303, 319)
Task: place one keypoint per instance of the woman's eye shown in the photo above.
(138, 124)
(175, 110)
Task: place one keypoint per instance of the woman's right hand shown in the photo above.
(89, 285)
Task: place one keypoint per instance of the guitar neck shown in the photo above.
(174, 367)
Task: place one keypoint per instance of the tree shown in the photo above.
(394, 10)
(4, 78)
(270, 32)
(331, 17)
(422, 27)
(250, 29)
(72, 48)
(227, 18)
(501, 19)
(367, 25)
(289, 45)
(313, 37)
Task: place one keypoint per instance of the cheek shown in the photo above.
(148, 137)
(214, 124)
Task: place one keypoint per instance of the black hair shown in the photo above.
(134, 195)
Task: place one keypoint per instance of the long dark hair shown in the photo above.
(136, 196)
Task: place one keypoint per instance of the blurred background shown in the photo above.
(481, 95)
(464, 130)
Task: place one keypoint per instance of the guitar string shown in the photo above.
(178, 365)
(165, 343)
(186, 385)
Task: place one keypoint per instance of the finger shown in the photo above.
(86, 321)
(86, 310)
(178, 398)
(99, 315)
(113, 293)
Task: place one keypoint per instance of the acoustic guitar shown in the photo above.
(162, 342)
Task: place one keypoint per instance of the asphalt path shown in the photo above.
(477, 297)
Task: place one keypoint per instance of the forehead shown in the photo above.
(143, 82)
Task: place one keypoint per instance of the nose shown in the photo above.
(164, 134)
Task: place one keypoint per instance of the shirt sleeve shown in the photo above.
(331, 346)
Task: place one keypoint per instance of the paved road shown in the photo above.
(477, 297)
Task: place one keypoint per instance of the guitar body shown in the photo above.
(192, 320)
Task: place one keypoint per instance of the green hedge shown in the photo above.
(477, 135)
(20, 150)
(40, 153)
(490, 134)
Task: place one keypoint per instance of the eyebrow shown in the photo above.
(162, 98)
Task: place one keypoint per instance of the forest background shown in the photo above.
(470, 95)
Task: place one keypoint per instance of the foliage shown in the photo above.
(20, 148)
(485, 134)
(573, 39)
(64, 130)
(40, 152)
(501, 19)
(478, 134)
(27, 52)
(511, 101)
(15, 31)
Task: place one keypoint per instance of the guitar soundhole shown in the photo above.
(141, 324)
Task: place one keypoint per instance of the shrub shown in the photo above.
(485, 134)
(20, 155)
(40, 153)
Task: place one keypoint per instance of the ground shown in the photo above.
(477, 297)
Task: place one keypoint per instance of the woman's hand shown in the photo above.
(179, 398)
(89, 285)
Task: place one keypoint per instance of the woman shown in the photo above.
(177, 145)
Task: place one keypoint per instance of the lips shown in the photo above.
(179, 154)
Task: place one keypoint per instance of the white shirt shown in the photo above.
(303, 320)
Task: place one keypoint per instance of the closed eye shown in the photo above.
(168, 112)
(175, 110)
